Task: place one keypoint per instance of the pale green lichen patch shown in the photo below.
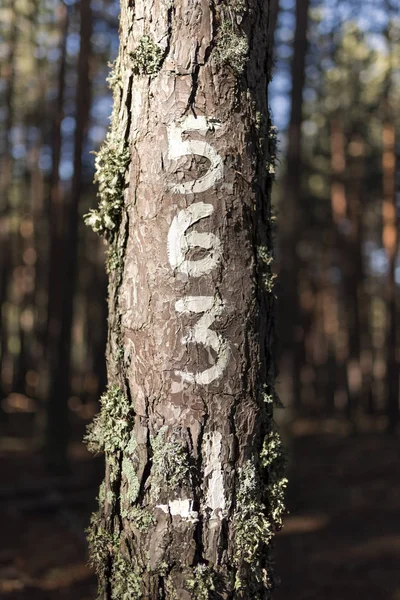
(232, 47)
(266, 259)
(114, 78)
(141, 518)
(115, 259)
(270, 164)
(272, 449)
(237, 5)
(252, 527)
(276, 491)
(100, 544)
(270, 396)
(125, 581)
(131, 486)
(269, 281)
(147, 57)
(104, 549)
(265, 255)
(202, 583)
(258, 514)
(111, 163)
(109, 430)
(170, 463)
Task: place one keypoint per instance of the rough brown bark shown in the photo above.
(193, 488)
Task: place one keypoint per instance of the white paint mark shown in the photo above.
(181, 508)
(179, 243)
(215, 498)
(212, 307)
(178, 147)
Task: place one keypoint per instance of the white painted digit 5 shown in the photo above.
(180, 242)
(178, 147)
(201, 333)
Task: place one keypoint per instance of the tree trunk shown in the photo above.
(193, 488)
(293, 208)
(391, 245)
(57, 426)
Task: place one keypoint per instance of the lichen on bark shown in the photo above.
(111, 163)
(146, 57)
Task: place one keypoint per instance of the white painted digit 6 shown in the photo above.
(201, 333)
(178, 147)
(180, 242)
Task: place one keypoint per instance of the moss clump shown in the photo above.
(125, 581)
(109, 430)
(170, 469)
(111, 163)
(202, 583)
(232, 47)
(147, 57)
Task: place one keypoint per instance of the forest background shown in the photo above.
(335, 100)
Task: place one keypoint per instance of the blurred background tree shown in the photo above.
(335, 100)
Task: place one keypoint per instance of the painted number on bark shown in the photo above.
(180, 242)
(211, 307)
(178, 147)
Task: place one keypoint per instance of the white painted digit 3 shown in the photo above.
(201, 333)
(178, 147)
(180, 242)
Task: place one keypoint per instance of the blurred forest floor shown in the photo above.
(341, 540)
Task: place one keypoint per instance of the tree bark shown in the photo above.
(193, 488)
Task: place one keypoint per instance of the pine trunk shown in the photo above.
(193, 488)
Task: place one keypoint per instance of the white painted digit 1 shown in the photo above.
(178, 147)
(212, 307)
(180, 242)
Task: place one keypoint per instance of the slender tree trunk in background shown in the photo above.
(8, 77)
(391, 245)
(57, 425)
(293, 205)
(355, 277)
(56, 206)
(193, 487)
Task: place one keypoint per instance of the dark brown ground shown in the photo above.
(341, 540)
